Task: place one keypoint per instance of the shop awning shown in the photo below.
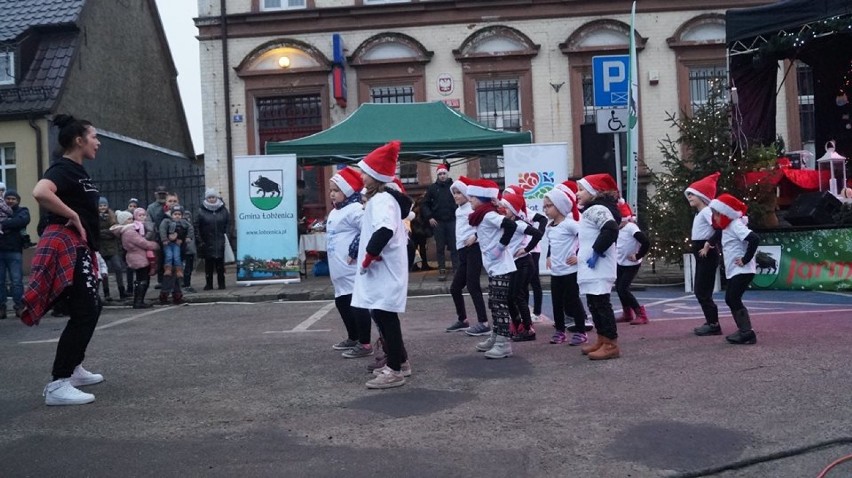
(426, 130)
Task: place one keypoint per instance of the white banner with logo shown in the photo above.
(266, 219)
(536, 168)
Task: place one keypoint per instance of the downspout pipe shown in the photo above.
(39, 146)
(226, 82)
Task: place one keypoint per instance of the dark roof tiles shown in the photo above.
(16, 16)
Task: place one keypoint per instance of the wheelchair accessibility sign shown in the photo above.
(611, 120)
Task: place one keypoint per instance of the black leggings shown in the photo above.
(535, 284)
(623, 278)
(355, 319)
(705, 280)
(84, 308)
(519, 293)
(737, 286)
(565, 296)
(391, 332)
(467, 275)
(602, 315)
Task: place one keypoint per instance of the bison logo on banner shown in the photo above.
(265, 188)
(767, 261)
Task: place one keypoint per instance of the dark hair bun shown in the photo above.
(63, 120)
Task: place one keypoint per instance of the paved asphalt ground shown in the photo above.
(254, 389)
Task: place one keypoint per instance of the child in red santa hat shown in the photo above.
(343, 229)
(598, 194)
(739, 246)
(525, 238)
(494, 232)
(383, 259)
(533, 217)
(631, 247)
(560, 205)
(470, 266)
(703, 238)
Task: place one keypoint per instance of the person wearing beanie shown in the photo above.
(739, 246)
(13, 227)
(560, 206)
(214, 224)
(597, 256)
(631, 247)
(156, 213)
(469, 266)
(382, 259)
(343, 229)
(130, 231)
(109, 249)
(494, 232)
(535, 279)
(175, 232)
(525, 238)
(704, 241)
(439, 209)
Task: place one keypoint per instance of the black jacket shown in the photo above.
(438, 203)
(212, 227)
(11, 240)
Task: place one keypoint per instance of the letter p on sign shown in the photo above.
(614, 73)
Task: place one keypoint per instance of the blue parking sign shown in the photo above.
(610, 80)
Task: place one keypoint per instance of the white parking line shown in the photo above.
(105, 326)
(305, 325)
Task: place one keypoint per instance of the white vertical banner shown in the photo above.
(266, 219)
(633, 119)
(536, 168)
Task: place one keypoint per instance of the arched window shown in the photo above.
(699, 46)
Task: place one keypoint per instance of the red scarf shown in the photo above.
(479, 213)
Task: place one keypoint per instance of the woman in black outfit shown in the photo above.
(213, 222)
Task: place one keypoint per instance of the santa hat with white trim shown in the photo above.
(515, 204)
(568, 185)
(565, 201)
(442, 168)
(461, 185)
(348, 180)
(483, 188)
(598, 183)
(704, 188)
(729, 206)
(625, 211)
(380, 164)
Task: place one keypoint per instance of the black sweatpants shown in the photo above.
(519, 293)
(623, 278)
(467, 275)
(705, 280)
(602, 315)
(565, 296)
(391, 332)
(736, 287)
(355, 319)
(84, 308)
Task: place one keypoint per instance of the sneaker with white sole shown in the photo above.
(388, 378)
(457, 326)
(61, 392)
(404, 368)
(345, 344)
(502, 348)
(486, 344)
(358, 351)
(541, 318)
(578, 338)
(82, 377)
(481, 328)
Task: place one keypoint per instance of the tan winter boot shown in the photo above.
(609, 350)
(589, 348)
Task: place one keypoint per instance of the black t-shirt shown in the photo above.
(75, 188)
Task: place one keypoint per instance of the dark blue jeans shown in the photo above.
(10, 266)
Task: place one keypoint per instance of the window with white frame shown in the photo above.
(7, 68)
(702, 80)
(498, 104)
(8, 164)
(283, 4)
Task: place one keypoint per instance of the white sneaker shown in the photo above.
(387, 379)
(404, 368)
(502, 348)
(61, 392)
(486, 344)
(541, 318)
(82, 377)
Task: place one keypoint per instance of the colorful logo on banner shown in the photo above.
(804, 260)
(265, 188)
(536, 183)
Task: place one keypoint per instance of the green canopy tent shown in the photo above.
(426, 130)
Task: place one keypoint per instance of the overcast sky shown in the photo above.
(177, 16)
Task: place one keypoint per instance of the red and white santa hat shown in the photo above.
(704, 188)
(568, 185)
(380, 164)
(515, 203)
(396, 184)
(565, 201)
(598, 183)
(348, 180)
(729, 206)
(442, 168)
(461, 185)
(514, 189)
(483, 188)
(625, 211)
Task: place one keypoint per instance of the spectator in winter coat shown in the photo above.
(109, 250)
(132, 237)
(213, 225)
(156, 213)
(11, 247)
(439, 208)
